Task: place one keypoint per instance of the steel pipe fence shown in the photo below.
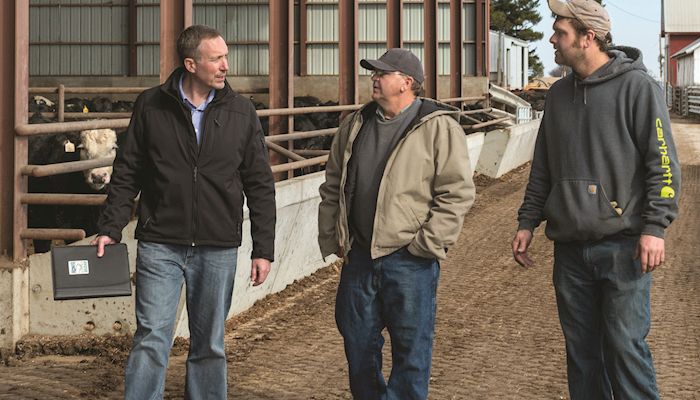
(694, 100)
(301, 158)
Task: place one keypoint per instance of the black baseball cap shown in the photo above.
(400, 60)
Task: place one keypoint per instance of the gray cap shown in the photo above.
(400, 60)
(591, 14)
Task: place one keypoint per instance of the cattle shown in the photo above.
(66, 147)
(97, 143)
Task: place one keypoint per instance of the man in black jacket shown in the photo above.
(192, 148)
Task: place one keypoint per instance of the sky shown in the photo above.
(635, 23)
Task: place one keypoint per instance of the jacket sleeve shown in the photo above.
(652, 130)
(329, 208)
(126, 174)
(259, 189)
(453, 192)
(531, 212)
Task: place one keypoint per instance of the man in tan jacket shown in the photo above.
(398, 184)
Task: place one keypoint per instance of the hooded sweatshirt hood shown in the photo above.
(622, 60)
(604, 163)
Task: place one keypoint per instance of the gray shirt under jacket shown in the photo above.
(374, 144)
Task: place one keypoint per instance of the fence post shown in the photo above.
(61, 103)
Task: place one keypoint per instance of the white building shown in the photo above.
(688, 65)
(509, 61)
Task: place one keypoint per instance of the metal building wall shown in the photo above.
(681, 16)
(323, 32)
(511, 56)
(148, 37)
(78, 37)
(322, 37)
(244, 24)
(371, 30)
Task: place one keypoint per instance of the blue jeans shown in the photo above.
(160, 271)
(603, 302)
(397, 292)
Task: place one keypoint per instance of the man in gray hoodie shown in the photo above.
(606, 178)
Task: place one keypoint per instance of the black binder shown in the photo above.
(79, 274)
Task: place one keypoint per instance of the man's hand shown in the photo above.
(259, 269)
(521, 242)
(340, 253)
(101, 241)
(650, 252)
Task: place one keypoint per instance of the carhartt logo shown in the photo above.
(592, 189)
(667, 192)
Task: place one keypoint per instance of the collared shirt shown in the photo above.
(197, 112)
(383, 118)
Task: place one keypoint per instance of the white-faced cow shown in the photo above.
(94, 144)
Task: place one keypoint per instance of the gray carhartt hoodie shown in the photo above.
(604, 162)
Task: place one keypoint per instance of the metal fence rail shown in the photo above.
(694, 100)
(300, 158)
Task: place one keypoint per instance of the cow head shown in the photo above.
(98, 143)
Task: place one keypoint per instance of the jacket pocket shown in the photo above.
(220, 208)
(579, 209)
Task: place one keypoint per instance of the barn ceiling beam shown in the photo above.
(430, 53)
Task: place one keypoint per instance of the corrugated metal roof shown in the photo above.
(681, 16)
(689, 49)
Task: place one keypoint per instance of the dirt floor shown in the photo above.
(497, 334)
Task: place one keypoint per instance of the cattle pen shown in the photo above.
(296, 51)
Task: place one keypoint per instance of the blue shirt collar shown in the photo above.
(187, 101)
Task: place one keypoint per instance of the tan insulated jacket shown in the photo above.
(425, 191)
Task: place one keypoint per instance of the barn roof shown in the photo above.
(687, 50)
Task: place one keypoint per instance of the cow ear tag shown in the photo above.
(592, 189)
(69, 147)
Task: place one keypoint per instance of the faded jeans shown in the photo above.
(604, 310)
(397, 291)
(161, 270)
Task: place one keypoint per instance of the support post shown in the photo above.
(175, 15)
(303, 37)
(7, 128)
(133, 34)
(20, 276)
(430, 54)
(456, 48)
(482, 37)
(348, 51)
(394, 23)
(281, 52)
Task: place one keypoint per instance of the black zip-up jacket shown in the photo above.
(193, 194)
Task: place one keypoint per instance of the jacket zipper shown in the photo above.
(194, 207)
(195, 192)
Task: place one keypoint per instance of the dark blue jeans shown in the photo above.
(397, 292)
(603, 302)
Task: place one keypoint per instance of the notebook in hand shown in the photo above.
(78, 273)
